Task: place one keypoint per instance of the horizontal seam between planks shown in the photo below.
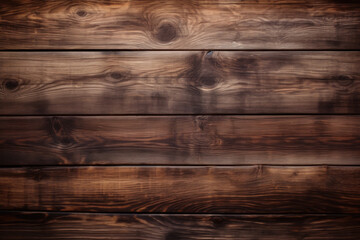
(174, 50)
(176, 166)
(178, 114)
(177, 213)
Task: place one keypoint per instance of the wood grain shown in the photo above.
(180, 140)
(43, 225)
(148, 82)
(246, 189)
(81, 159)
(190, 24)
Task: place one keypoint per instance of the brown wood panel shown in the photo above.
(180, 140)
(139, 24)
(149, 82)
(43, 225)
(246, 189)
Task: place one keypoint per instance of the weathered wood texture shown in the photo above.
(139, 24)
(42, 225)
(180, 140)
(178, 82)
(246, 189)
(197, 169)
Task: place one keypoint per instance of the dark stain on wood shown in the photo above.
(60, 130)
(174, 235)
(36, 174)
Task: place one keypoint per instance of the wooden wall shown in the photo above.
(173, 120)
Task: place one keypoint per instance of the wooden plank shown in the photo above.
(38, 83)
(245, 189)
(180, 140)
(45, 225)
(139, 24)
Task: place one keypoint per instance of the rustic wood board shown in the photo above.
(139, 24)
(173, 120)
(245, 189)
(179, 82)
(180, 140)
(45, 225)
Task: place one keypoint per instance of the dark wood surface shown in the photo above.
(180, 140)
(245, 189)
(148, 82)
(139, 24)
(174, 120)
(45, 225)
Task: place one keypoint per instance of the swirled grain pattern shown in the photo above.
(148, 82)
(45, 226)
(172, 24)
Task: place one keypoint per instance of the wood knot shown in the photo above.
(81, 13)
(208, 81)
(60, 132)
(116, 75)
(218, 222)
(344, 81)
(165, 33)
(11, 84)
